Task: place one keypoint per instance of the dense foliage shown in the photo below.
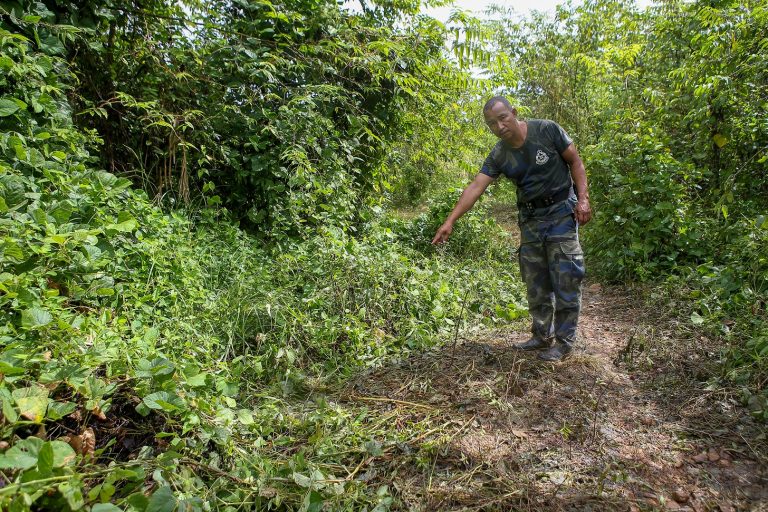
(668, 108)
(144, 353)
(193, 232)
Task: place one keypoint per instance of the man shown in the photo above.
(543, 162)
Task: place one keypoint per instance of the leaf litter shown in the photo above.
(615, 427)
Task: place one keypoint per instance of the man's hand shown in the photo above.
(583, 211)
(443, 233)
(579, 174)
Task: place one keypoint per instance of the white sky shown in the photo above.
(521, 6)
(478, 6)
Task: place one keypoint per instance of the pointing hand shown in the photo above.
(443, 233)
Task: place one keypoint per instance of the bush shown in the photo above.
(645, 221)
(113, 310)
(475, 236)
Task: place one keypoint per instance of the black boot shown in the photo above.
(558, 352)
(532, 344)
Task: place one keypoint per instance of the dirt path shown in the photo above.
(624, 424)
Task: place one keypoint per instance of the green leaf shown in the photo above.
(107, 491)
(32, 402)
(138, 501)
(313, 502)
(302, 480)
(62, 211)
(6, 63)
(126, 223)
(159, 369)
(52, 45)
(719, 140)
(163, 400)
(135, 473)
(45, 459)
(197, 381)
(8, 107)
(696, 318)
(9, 411)
(23, 455)
(162, 500)
(73, 494)
(105, 507)
(11, 250)
(123, 227)
(57, 410)
(63, 454)
(245, 416)
(35, 317)
(142, 409)
(13, 190)
(151, 336)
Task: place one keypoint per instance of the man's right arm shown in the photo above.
(467, 200)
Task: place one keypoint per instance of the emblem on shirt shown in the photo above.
(541, 157)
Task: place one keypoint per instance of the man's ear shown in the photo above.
(514, 111)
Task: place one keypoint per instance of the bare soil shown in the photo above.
(627, 423)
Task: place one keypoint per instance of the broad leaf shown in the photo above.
(105, 507)
(8, 107)
(63, 454)
(22, 455)
(720, 140)
(245, 416)
(35, 317)
(45, 459)
(163, 400)
(162, 500)
(32, 402)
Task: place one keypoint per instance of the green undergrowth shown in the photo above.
(723, 296)
(154, 361)
(172, 344)
(702, 252)
(726, 298)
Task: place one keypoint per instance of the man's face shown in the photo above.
(502, 121)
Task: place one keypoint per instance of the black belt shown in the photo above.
(543, 202)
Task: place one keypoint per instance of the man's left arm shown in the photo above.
(579, 174)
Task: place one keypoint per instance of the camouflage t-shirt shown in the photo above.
(536, 167)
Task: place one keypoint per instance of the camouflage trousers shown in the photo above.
(552, 267)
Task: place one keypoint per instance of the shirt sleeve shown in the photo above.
(490, 168)
(559, 136)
